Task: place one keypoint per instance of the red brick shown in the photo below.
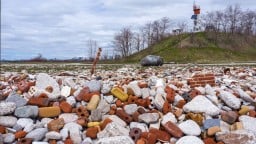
(161, 135)
(173, 129)
(20, 134)
(65, 107)
(39, 101)
(2, 129)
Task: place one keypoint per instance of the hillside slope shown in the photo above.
(205, 48)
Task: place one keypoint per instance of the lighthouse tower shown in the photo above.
(196, 18)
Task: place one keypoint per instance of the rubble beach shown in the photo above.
(147, 105)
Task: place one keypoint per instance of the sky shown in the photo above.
(61, 28)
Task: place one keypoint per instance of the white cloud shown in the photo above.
(60, 28)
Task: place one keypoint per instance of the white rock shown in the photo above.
(103, 106)
(69, 82)
(53, 135)
(160, 90)
(248, 122)
(209, 90)
(116, 140)
(24, 121)
(168, 117)
(145, 92)
(201, 89)
(65, 91)
(116, 119)
(8, 121)
(225, 127)
(106, 87)
(43, 80)
(109, 99)
(8, 138)
(160, 83)
(148, 117)
(231, 100)
(130, 108)
(7, 108)
(142, 126)
(29, 127)
(155, 125)
(190, 127)
(113, 129)
(64, 133)
(74, 131)
(93, 85)
(38, 142)
(37, 134)
(71, 100)
(159, 101)
(69, 117)
(189, 140)
(244, 95)
(152, 92)
(200, 104)
(135, 88)
(213, 98)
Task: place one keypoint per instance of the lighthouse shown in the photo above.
(196, 18)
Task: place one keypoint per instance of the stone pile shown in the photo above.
(179, 105)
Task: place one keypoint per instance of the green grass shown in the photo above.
(201, 51)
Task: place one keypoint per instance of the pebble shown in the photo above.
(200, 104)
(248, 122)
(68, 117)
(211, 122)
(65, 91)
(26, 111)
(37, 134)
(8, 138)
(8, 121)
(189, 140)
(149, 117)
(7, 108)
(44, 80)
(17, 99)
(94, 85)
(24, 122)
(151, 105)
(116, 140)
(230, 99)
(130, 109)
(53, 135)
(113, 129)
(189, 127)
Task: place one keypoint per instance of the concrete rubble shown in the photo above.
(142, 105)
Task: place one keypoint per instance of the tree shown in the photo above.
(92, 47)
(123, 41)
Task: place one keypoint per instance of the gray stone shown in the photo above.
(168, 117)
(116, 140)
(8, 121)
(93, 85)
(244, 95)
(96, 115)
(229, 99)
(17, 99)
(159, 101)
(149, 117)
(190, 127)
(237, 137)
(211, 122)
(24, 121)
(135, 88)
(142, 126)
(37, 134)
(130, 108)
(116, 119)
(7, 108)
(26, 111)
(189, 140)
(145, 92)
(200, 104)
(53, 135)
(74, 131)
(113, 129)
(152, 60)
(248, 122)
(69, 117)
(43, 80)
(71, 100)
(9, 137)
(106, 87)
(103, 106)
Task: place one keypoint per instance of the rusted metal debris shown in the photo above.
(95, 61)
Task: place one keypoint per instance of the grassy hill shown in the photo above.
(201, 48)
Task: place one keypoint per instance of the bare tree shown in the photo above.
(92, 46)
(123, 41)
(165, 24)
(137, 42)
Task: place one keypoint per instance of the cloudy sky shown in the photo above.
(60, 28)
